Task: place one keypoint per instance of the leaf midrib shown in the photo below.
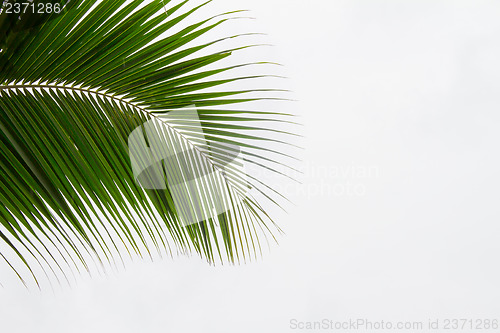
(123, 101)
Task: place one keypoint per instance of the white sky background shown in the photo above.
(404, 89)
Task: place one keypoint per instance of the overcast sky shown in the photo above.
(398, 217)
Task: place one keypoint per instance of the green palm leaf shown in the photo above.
(73, 89)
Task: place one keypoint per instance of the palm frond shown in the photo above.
(103, 89)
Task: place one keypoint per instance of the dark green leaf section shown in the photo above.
(72, 91)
